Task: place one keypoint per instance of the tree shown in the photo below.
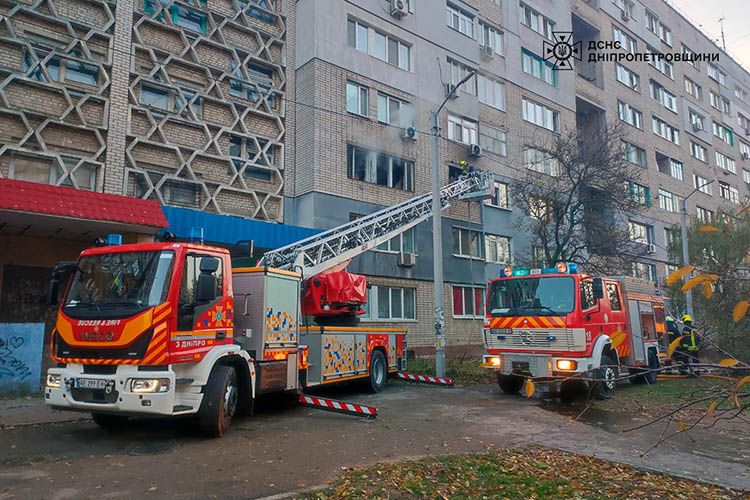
(575, 192)
(720, 250)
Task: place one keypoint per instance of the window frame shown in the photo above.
(473, 289)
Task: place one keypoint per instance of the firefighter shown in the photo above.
(673, 331)
(689, 347)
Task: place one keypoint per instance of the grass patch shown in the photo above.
(462, 372)
(514, 474)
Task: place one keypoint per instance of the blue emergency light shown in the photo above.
(561, 268)
(114, 239)
(196, 235)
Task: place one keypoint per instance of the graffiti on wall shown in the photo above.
(20, 357)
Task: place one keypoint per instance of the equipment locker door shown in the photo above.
(636, 334)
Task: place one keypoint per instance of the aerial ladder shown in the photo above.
(330, 294)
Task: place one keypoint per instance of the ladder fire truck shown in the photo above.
(171, 329)
(555, 324)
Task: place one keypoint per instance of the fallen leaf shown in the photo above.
(743, 381)
(681, 425)
(529, 388)
(708, 289)
(712, 408)
(707, 229)
(739, 310)
(729, 362)
(153, 488)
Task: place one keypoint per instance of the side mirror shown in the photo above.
(206, 291)
(54, 287)
(598, 288)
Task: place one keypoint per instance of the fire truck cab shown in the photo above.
(550, 324)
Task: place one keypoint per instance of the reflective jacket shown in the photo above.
(690, 340)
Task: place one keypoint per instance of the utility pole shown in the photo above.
(685, 257)
(437, 236)
(723, 41)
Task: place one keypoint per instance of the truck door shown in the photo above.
(189, 309)
(592, 311)
(617, 321)
(636, 332)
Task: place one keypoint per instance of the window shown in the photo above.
(724, 133)
(155, 97)
(497, 249)
(745, 150)
(704, 215)
(185, 17)
(641, 233)
(657, 61)
(668, 132)
(740, 93)
(644, 270)
(60, 69)
(378, 168)
(466, 243)
(541, 161)
(729, 192)
(499, 197)
(491, 92)
(460, 20)
(626, 77)
(665, 34)
(746, 176)
(458, 73)
(189, 309)
(626, 6)
(253, 10)
(639, 193)
(725, 106)
(630, 115)
(713, 98)
(633, 153)
(535, 66)
(541, 115)
(669, 166)
(668, 201)
(262, 82)
(489, 36)
(468, 302)
(627, 41)
(671, 236)
(394, 111)
(587, 294)
(698, 151)
(693, 89)
(252, 158)
(357, 101)
(726, 163)
(492, 140)
(716, 74)
(696, 120)
(462, 130)
(652, 22)
(380, 45)
(390, 303)
(702, 185)
(744, 122)
(46, 171)
(613, 294)
(662, 95)
(404, 242)
(690, 57)
(537, 22)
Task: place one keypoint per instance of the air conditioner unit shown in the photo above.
(399, 8)
(449, 87)
(625, 16)
(409, 133)
(651, 248)
(745, 156)
(697, 127)
(475, 150)
(407, 259)
(486, 52)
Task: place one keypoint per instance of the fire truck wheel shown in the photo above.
(108, 421)
(653, 365)
(607, 373)
(378, 372)
(510, 384)
(220, 398)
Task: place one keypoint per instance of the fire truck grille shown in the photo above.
(136, 350)
(554, 339)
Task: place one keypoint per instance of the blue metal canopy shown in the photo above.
(229, 229)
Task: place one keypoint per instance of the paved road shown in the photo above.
(285, 447)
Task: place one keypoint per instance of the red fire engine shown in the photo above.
(171, 329)
(550, 324)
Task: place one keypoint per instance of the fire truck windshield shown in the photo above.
(119, 282)
(539, 296)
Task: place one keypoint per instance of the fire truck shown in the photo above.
(171, 329)
(554, 325)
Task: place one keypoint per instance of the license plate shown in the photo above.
(90, 383)
(520, 366)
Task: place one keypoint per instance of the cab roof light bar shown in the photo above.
(560, 268)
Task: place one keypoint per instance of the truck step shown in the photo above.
(369, 412)
(424, 379)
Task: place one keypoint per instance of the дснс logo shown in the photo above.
(562, 50)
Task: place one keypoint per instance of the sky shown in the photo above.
(736, 27)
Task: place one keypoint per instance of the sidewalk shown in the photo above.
(31, 410)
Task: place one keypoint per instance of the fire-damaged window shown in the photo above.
(378, 168)
(189, 309)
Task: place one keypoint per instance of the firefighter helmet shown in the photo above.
(687, 318)
(669, 318)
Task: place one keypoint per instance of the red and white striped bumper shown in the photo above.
(369, 412)
(424, 379)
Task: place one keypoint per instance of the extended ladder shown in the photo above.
(325, 250)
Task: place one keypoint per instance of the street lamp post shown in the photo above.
(437, 237)
(685, 258)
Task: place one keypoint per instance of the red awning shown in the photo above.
(31, 197)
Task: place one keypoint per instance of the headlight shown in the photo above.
(495, 361)
(566, 364)
(53, 381)
(149, 385)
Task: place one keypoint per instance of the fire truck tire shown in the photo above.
(378, 372)
(109, 421)
(653, 365)
(510, 384)
(220, 401)
(607, 375)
